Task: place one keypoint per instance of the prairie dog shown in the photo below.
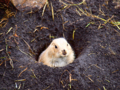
(58, 54)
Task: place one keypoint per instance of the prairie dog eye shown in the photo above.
(55, 46)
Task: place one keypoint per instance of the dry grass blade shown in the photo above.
(72, 4)
(69, 5)
(3, 19)
(78, 13)
(1, 63)
(1, 50)
(70, 77)
(52, 12)
(3, 22)
(108, 20)
(78, 3)
(89, 78)
(1, 33)
(73, 34)
(44, 8)
(33, 40)
(22, 51)
(43, 27)
(48, 87)
(9, 30)
(81, 10)
(62, 2)
(104, 88)
(22, 71)
(11, 61)
(115, 23)
(35, 30)
(98, 66)
(64, 25)
(63, 8)
(93, 65)
(115, 71)
(33, 73)
(7, 15)
(94, 16)
(31, 51)
(112, 51)
(62, 74)
(20, 80)
(117, 32)
(19, 87)
(118, 27)
(48, 5)
(90, 15)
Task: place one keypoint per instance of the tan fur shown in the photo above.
(58, 54)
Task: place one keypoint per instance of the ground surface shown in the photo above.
(96, 42)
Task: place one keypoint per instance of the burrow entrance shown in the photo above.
(78, 39)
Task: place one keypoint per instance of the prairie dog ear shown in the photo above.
(53, 44)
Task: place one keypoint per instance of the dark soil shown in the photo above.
(97, 63)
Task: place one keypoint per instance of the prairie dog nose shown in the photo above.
(64, 52)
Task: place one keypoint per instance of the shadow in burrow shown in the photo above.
(78, 44)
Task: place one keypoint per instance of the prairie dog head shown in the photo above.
(60, 47)
(58, 54)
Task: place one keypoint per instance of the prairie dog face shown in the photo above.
(58, 54)
(60, 47)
